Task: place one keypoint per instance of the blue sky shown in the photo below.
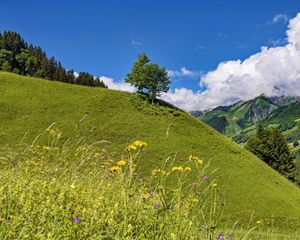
(104, 37)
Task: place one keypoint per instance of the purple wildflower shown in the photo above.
(205, 178)
(76, 220)
(220, 237)
(156, 206)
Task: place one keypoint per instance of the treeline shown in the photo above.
(19, 57)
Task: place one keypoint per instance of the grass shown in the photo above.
(79, 191)
(248, 187)
(75, 191)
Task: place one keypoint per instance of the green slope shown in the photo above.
(239, 116)
(284, 118)
(28, 106)
(239, 120)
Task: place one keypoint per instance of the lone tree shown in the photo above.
(148, 77)
(270, 146)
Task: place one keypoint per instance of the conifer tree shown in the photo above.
(19, 57)
(270, 146)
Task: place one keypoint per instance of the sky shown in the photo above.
(216, 51)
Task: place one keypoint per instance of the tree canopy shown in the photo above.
(270, 146)
(19, 57)
(148, 77)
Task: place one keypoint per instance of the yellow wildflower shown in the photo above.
(193, 158)
(54, 133)
(138, 143)
(115, 169)
(121, 162)
(196, 159)
(174, 169)
(146, 195)
(199, 161)
(131, 148)
(187, 169)
(178, 169)
(46, 148)
(258, 221)
(214, 185)
(158, 170)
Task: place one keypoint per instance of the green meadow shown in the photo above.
(60, 147)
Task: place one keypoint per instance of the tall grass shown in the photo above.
(74, 190)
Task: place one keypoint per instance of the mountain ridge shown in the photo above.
(242, 116)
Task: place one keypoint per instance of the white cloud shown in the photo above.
(183, 98)
(184, 72)
(274, 71)
(121, 86)
(280, 18)
(136, 42)
(76, 74)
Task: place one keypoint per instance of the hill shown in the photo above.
(29, 105)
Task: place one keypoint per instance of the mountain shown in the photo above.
(247, 185)
(238, 121)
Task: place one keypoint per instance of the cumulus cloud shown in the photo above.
(274, 71)
(184, 72)
(280, 18)
(114, 85)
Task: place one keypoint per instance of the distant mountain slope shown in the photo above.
(240, 115)
(238, 120)
(248, 186)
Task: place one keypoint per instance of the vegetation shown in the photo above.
(246, 185)
(270, 146)
(281, 113)
(78, 191)
(19, 57)
(149, 78)
(218, 123)
(242, 117)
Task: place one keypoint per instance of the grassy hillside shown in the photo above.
(28, 106)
